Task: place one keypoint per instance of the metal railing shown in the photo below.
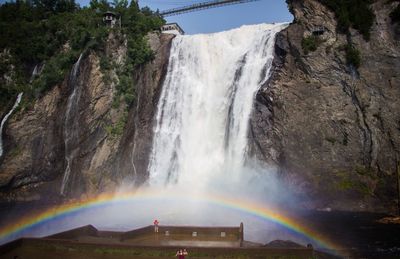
(202, 6)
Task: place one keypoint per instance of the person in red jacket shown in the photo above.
(155, 226)
(181, 253)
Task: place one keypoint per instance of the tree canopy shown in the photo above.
(56, 32)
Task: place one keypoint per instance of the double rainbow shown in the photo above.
(272, 215)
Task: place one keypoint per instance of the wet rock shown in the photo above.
(34, 163)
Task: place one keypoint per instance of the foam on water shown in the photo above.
(200, 139)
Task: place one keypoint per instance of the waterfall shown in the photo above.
(71, 124)
(3, 122)
(36, 72)
(202, 120)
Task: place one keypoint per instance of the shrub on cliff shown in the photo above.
(352, 55)
(56, 32)
(53, 72)
(310, 44)
(352, 13)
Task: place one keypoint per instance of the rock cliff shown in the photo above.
(39, 140)
(333, 130)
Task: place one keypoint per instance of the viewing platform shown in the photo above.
(186, 236)
(145, 243)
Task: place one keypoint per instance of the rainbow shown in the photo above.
(272, 215)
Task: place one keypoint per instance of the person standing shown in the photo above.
(181, 253)
(184, 253)
(155, 226)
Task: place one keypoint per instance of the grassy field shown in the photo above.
(60, 249)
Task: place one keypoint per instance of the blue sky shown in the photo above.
(223, 18)
(219, 19)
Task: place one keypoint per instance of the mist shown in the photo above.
(200, 146)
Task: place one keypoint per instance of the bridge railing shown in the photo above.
(202, 6)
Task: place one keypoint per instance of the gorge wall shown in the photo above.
(34, 162)
(331, 129)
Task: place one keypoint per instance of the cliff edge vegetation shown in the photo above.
(90, 91)
(52, 34)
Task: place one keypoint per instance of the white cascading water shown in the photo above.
(71, 124)
(36, 72)
(202, 123)
(199, 169)
(3, 122)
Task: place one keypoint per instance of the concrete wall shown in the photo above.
(230, 236)
(88, 230)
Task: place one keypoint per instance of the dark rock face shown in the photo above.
(34, 163)
(134, 155)
(32, 149)
(333, 131)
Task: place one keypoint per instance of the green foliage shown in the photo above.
(32, 35)
(310, 44)
(352, 55)
(54, 6)
(101, 5)
(55, 32)
(49, 32)
(104, 63)
(331, 140)
(365, 171)
(352, 13)
(290, 6)
(347, 182)
(54, 72)
(6, 90)
(135, 26)
(117, 129)
(116, 102)
(358, 186)
(125, 86)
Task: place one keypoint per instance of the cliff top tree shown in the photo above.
(56, 32)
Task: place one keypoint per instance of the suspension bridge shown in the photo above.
(202, 6)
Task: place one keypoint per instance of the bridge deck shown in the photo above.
(202, 6)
